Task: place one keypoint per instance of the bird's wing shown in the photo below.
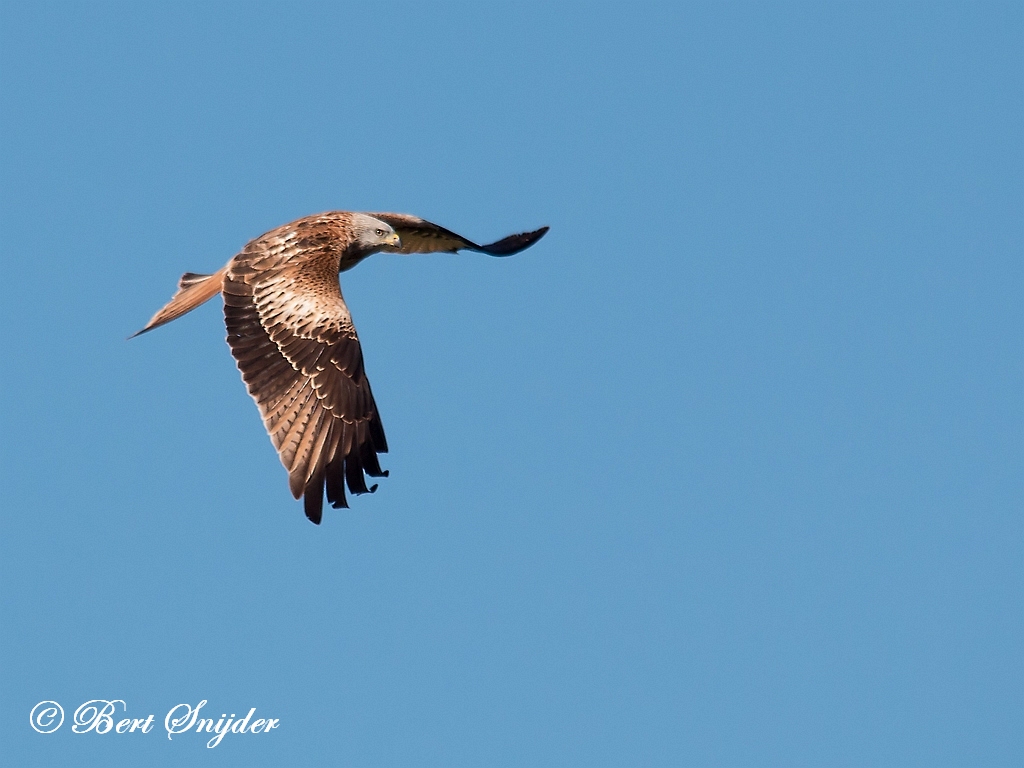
(293, 338)
(421, 236)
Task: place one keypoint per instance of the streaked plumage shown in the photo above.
(293, 339)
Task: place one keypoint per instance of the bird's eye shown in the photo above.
(379, 232)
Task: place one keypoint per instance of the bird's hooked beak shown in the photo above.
(394, 241)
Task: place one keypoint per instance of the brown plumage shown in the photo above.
(293, 339)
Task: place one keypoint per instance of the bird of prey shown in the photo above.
(292, 336)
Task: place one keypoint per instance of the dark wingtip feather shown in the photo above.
(513, 243)
(314, 508)
(313, 499)
(336, 484)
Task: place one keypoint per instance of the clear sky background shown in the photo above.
(725, 471)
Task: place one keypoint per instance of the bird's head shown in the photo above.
(373, 234)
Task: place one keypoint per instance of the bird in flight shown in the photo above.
(293, 339)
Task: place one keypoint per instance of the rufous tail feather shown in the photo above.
(193, 290)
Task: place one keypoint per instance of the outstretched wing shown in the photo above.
(293, 338)
(421, 236)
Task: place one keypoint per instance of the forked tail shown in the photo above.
(193, 290)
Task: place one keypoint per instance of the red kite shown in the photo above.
(293, 339)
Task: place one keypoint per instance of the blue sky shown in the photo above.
(725, 471)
